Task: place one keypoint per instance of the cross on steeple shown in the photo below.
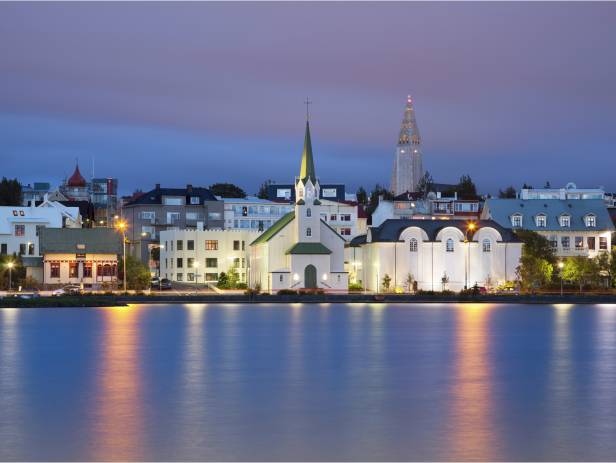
(307, 103)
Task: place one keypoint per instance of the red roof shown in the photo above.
(76, 179)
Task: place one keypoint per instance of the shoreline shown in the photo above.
(121, 300)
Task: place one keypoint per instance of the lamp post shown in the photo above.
(561, 264)
(196, 267)
(469, 227)
(121, 226)
(10, 266)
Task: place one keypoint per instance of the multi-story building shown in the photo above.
(104, 197)
(34, 193)
(407, 170)
(252, 213)
(286, 192)
(199, 256)
(169, 208)
(574, 227)
(570, 191)
(346, 218)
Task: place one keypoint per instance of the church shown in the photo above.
(300, 251)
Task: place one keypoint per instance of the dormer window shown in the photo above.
(516, 220)
(541, 220)
(590, 220)
(565, 220)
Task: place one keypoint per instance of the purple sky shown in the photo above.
(177, 93)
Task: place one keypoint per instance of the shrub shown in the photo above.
(287, 292)
(355, 287)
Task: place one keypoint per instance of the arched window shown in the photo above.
(308, 231)
(449, 245)
(413, 245)
(308, 213)
(487, 245)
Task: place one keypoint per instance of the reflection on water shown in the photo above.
(472, 427)
(118, 425)
(309, 382)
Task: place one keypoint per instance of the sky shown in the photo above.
(179, 93)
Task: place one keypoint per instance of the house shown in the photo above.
(300, 250)
(86, 256)
(436, 254)
(574, 227)
(252, 213)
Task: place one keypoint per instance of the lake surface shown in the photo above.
(309, 382)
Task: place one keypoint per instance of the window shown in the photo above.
(22, 249)
(602, 243)
(211, 262)
(180, 245)
(73, 270)
(3, 249)
(179, 277)
(236, 245)
(591, 242)
(180, 263)
(541, 220)
(333, 217)
(194, 216)
(190, 245)
(243, 262)
(280, 278)
(565, 242)
(345, 231)
(579, 243)
(487, 245)
(308, 213)
(173, 218)
(413, 245)
(565, 220)
(190, 276)
(147, 230)
(243, 245)
(211, 245)
(20, 230)
(236, 262)
(148, 215)
(214, 216)
(553, 242)
(194, 200)
(345, 217)
(590, 220)
(449, 245)
(87, 270)
(516, 220)
(54, 268)
(173, 201)
(308, 231)
(211, 277)
(190, 262)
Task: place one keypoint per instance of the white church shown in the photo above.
(300, 251)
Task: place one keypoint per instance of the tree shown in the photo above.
(537, 260)
(409, 282)
(138, 275)
(426, 184)
(362, 196)
(386, 282)
(227, 190)
(10, 192)
(605, 265)
(263, 189)
(509, 192)
(536, 245)
(580, 270)
(466, 188)
(223, 281)
(233, 277)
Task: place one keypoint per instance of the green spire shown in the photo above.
(307, 169)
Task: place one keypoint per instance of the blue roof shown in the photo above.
(501, 210)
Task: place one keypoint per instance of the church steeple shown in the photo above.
(408, 168)
(409, 133)
(306, 171)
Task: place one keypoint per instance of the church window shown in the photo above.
(487, 246)
(413, 245)
(449, 245)
(308, 231)
(281, 278)
(308, 213)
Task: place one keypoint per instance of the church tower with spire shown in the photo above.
(408, 168)
(307, 188)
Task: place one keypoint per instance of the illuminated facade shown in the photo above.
(408, 168)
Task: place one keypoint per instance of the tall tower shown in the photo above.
(408, 168)
(307, 204)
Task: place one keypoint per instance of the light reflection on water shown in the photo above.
(309, 382)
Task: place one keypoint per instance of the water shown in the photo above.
(309, 382)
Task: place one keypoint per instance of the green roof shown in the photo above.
(308, 248)
(307, 168)
(80, 240)
(275, 228)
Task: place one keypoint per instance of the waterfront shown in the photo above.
(309, 382)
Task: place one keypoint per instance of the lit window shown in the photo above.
(516, 220)
(591, 220)
(20, 230)
(565, 220)
(487, 246)
(565, 242)
(603, 243)
(210, 245)
(413, 245)
(579, 242)
(449, 245)
(541, 220)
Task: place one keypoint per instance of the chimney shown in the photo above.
(158, 186)
(189, 188)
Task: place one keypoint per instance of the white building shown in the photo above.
(347, 218)
(300, 250)
(436, 254)
(200, 256)
(570, 191)
(407, 170)
(574, 227)
(252, 213)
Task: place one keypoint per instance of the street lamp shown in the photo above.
(121, 226)
(10, 266)
(469, 227)
(561, 264)
(196, 267)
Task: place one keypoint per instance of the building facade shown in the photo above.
(437, 255)
(87, 256)
(162, 209)
(252, 213)
(286, 192)
(574, 227)
(200, 256)
(300, 251)
(408, 168)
